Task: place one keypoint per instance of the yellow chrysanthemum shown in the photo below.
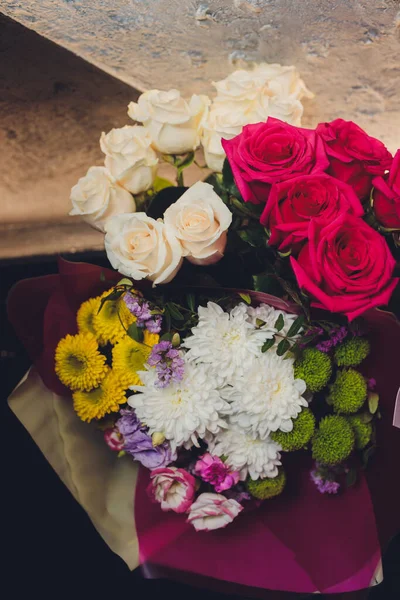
(104, 399)
(150, 339)
(111, 323)
(129, 357)
(79, 364)
(86, 313)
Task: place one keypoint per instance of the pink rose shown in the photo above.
(354, 156)
(346, 266)
(213, 511)
(386, 196)
(272, 152)
(213, 470)
(173, 488)
(294, 203)
(114, 439)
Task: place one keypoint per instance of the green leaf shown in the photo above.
(240, 207)
(279, 323)
(373, 401)
(260, 323)
(174, 311)
(191, 302)
(254, 236)
(268, 344)
(296, 326)
(367, 455)
(245, 297)
(227, 175)
(135, 332)
(351, 477)
(283, 347)
(266, 282)
(160, 184)
(167, 337)
(365, 417)
(125, 281)
(114, 295)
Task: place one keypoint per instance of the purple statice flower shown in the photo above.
(154, 325)
(371, 384)
(336, 337)
(138, 307)
(168, 363)
(325, 346)
(324, 486)
(138, 443)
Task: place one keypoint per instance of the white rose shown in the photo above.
(97, 197)
(140, 247)
(173, 123)
(199, 220)
(246, 97)
(221, 123)
(129, 157)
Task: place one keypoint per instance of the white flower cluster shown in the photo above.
(246, 97)
(169, 124)
(232, 395)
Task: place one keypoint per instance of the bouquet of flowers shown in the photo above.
(253, 374)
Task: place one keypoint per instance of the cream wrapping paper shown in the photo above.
(102, 484)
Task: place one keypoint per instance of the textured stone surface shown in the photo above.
(347, 50)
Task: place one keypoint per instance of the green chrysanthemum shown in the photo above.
(315, 368)
(362, 431)
(301, 434)
(352, 352)
(333, 441)
(348, 392)
(266, 488)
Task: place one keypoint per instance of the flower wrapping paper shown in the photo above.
(276, 547)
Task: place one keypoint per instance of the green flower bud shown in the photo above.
(301, 434)
(348, 392)
(266, 488)
(333, 441)
(352, 352)
(315, 368)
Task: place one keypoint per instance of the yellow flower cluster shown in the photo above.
(81, 363)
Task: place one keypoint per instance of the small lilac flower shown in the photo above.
(138, 307)
(168, 363)
(371, 384)
(154, 325)
(325, 346)
(324, 486)
(139, 444)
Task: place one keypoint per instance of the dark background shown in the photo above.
(49, 543)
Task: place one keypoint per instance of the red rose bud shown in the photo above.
(346, 266)
(354, 156)
(293, 204)
(114, 439)
(272, 152)
(386, 196)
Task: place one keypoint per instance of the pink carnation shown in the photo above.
(173, 488)
(213, 511)
(213, 470)
(114, 439)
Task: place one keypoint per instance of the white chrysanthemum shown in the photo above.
(269, 316)
(227, 341)
(183, 411)
(267, 397)
(247, 454)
